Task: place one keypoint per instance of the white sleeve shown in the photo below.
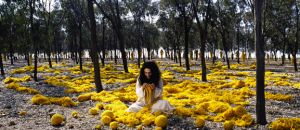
(158, 89)
(139, 90)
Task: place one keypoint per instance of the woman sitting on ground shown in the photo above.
(149, 88)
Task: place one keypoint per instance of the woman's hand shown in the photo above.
(144, 85)
(152, 86)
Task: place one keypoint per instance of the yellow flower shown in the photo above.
(98, 127)
(74, 114)
(40, 99)
(239, 111)
(22, 113)
(93, 111)
(199, 121)
(99, 105)
(84, 97)
(139, 127)
(147, 121)
(285, 124)
(105, 120)
(158, 128)
(161, 121)
(57, 119)
(114, 125)
(108, 113)
(228, 125)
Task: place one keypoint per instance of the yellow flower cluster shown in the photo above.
(161, 121)
(285, 124)
(57, 119)
(237, 114)
(11, 79)
(22, 89)
(22, 70)
(278, 97)
(76, 85)
(43, 100)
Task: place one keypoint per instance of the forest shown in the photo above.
(78, 64)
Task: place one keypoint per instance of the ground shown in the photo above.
(181, 90)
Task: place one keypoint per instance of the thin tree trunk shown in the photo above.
(94, 54)
(116, 60)
(186, 43)
(80, 46)
(225, 49)
(11, 53)
(103, 42)
(260, 63)
(32, 30)
(179, 56)
(297, 39)
(1, 65)
(283, 50)
(49, 59)
(238, 44)
(203, 34)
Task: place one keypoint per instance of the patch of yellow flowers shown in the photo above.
(285, 124)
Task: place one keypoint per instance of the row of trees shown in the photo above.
(36, 26)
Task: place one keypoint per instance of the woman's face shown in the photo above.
(147, 73)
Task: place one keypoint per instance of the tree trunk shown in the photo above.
(149, 52)
(49, 59)
(179, 55)
(297, 39)
(1, 64)
(32, 31)
(283, 50)
(225, 49)
(35, 63)
(80, 46)
(260, 63)
(103, 42)
(116, 60)
(186, 43)
(203, 36)
(11, 52)
(28, 58)
(238, 44)
(94, 54)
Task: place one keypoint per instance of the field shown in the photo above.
(226, 101)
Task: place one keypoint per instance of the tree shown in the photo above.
(138, 9)
(203, 33)
(34, 36)
(297, 37)
(225, 23)
(260, 64)
(111, 9)
(94, 55)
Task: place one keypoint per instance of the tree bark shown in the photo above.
(225, 49)
(260, 63)
(103, 42)
(1, 65)
(238, 43)
(203, 36)
(80, 46)
(11, 52)
(297, 39)
(94, 54)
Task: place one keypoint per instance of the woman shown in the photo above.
(149, 90)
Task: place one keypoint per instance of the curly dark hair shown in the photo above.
(155, 77)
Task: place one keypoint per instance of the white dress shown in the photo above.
(159, 105)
